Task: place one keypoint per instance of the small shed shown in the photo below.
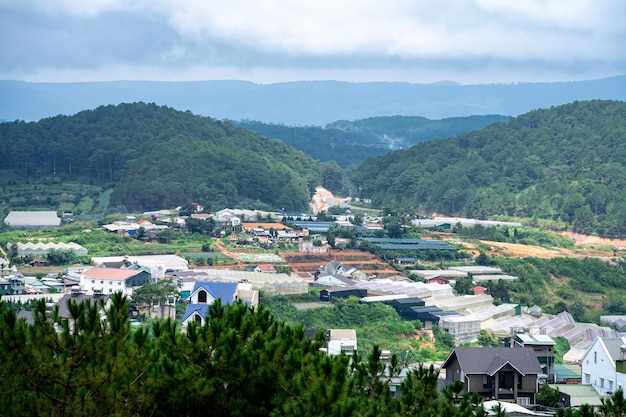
(343, 292)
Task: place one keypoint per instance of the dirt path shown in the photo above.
(239, 264)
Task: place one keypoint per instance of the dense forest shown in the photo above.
(350, 142)
(566, 163)
(242, 362)
(157, 157)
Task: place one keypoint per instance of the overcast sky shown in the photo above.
(267, 41)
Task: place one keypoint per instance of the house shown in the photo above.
(226, 219)
(575, 395)
(77, 296)
(436, 280)
(110, 280)
(333, 280)
(265, 268)
(290, 235)
(5, 286)
(29, 220)
(603, 365)
(345, 292)
(544, 349)
(158, 265)
(203, 295)
(340, 341)
(499, 373)
(405, 261)
(333, 267)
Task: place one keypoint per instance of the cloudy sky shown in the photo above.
(267, 41)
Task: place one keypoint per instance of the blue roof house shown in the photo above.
(203, 295)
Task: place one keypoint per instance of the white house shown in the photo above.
(341, 340)
(110, 280)
(603, 365)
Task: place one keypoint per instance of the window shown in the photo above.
(93, 281)
(595, 357)
(587, 378)
(202, 297)
(610, 385)
(119, 283)
(601, 382)
(102, 282)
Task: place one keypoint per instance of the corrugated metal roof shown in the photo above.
(32, 219)
(419, 246)
(404, 241)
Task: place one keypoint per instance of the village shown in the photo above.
(594, 366)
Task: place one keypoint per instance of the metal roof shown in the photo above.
(32, 219)
(477, 269)
(403, 241)
(418, 246)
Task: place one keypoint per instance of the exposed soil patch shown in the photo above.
(580, 239)
(517, 250)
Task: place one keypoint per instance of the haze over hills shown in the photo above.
(303, 102)
(350, 142)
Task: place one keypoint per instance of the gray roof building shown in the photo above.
(32, 219)
(489, 360)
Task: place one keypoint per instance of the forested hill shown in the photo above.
(566, 163)
(157, 157)
(350, 142)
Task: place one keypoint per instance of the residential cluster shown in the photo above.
(513, 372)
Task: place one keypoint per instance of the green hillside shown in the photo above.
(156, 157)
(564, 164)
(350, 142)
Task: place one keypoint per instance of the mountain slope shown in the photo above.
(158, 157)
(566, 163)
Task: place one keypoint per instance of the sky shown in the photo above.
(270, 41)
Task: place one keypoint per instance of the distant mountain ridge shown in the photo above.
(351, 142)
(303, 102)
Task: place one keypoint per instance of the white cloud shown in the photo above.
(346, 36)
